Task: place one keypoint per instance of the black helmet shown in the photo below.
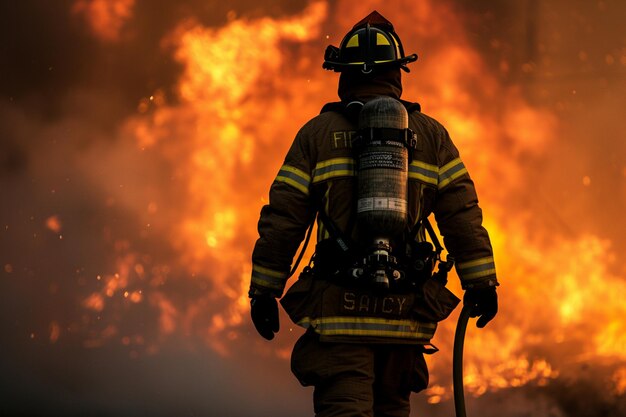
(371, 43)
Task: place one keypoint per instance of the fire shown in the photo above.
(219, 124)
(245, 89)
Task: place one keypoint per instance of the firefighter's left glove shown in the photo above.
(264, 311)
(483, 303)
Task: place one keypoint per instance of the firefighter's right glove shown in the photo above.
(483, 303)
(264, 311)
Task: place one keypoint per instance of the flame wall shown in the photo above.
(138, 141)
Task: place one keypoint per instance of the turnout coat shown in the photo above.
(318, 173)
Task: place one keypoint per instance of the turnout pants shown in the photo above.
(359, 380)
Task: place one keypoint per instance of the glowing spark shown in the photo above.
(94, 302)
(53, 223)
(55, 332)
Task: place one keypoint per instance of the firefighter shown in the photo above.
(368, 323)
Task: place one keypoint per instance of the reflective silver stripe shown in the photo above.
(294, 177)
(422, 171)
(332, 168)
(268, 278)
(477, 268)
(451, 171)
(382, 204)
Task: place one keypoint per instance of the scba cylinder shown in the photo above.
(382, 170)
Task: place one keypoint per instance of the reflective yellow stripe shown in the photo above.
(424, 172)
(268, 278)
(395, 42)
(476, 268)
(334, 161)
(306, 177)
(451, 171)
(294, 177)
(475, 262)
(381, 40)
(293, 183)
(267, 271)
(372, 320)
(331, 168)
(338, 173)
(353, 42)
(370, 326)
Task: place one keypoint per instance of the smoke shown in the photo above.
(105, 19)
(136, 153)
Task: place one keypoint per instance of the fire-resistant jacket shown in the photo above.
(319, 173)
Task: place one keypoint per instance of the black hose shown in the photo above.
(457, 362)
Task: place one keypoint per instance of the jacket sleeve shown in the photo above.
(460, 219)
(284, 220)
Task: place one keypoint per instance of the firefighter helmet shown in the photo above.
(371, 43)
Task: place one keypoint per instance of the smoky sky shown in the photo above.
(63, 95)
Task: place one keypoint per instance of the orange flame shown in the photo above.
(219, 121)
(235, 114)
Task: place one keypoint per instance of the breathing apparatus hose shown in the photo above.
(457, 361)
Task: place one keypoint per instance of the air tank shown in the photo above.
(382, 180)
(382, 169)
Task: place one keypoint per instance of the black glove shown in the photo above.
(264, 312)
(484, 303)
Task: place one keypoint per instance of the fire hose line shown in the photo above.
(457, 362)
